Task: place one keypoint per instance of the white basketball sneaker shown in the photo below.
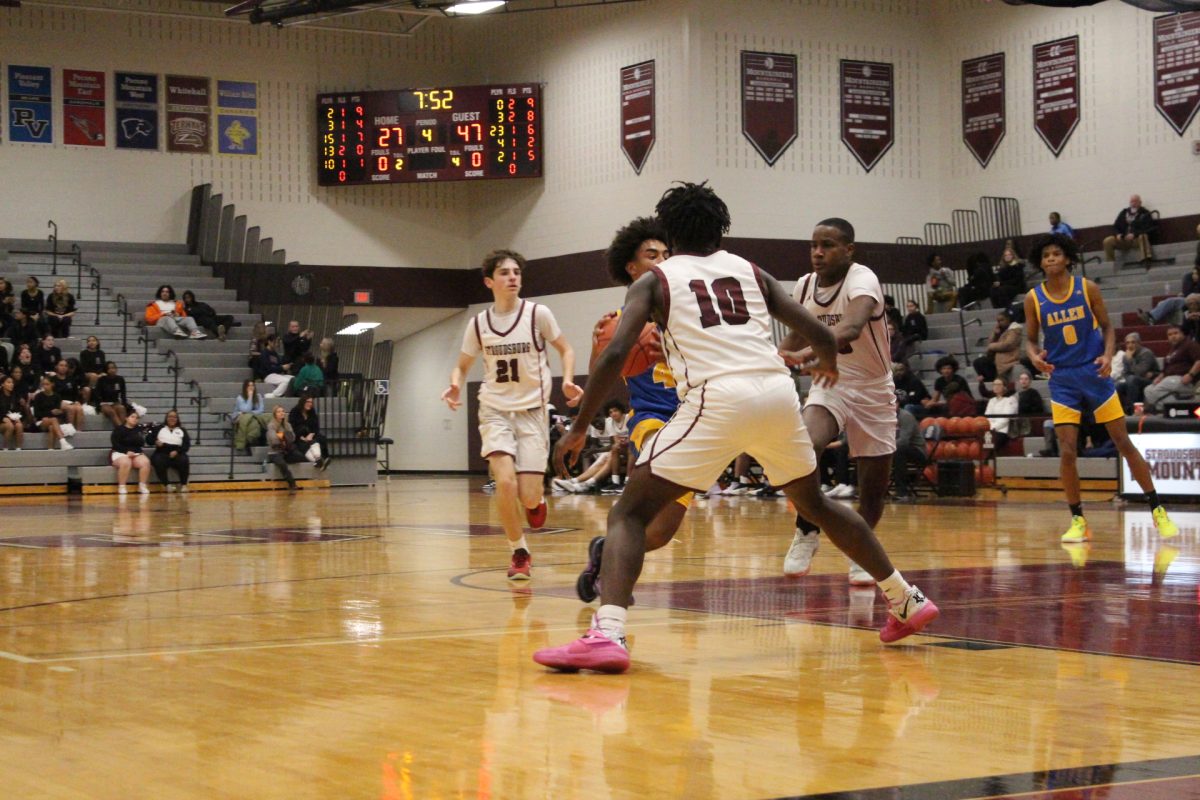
(859, 576)
(798, 560)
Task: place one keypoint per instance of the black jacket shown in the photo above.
(110, 389)
(47, 405)
(90, 361)
(128, 440)
(1142, 223)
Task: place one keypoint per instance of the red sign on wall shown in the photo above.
(769, 102)
(1177, 68)
(868, 110)
(83, 108)
(983, 96)
(1056, 91)
(637, 113)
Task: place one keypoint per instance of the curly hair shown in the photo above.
(693, 216)
(493, 259)
(1069, 248)
(625, 246)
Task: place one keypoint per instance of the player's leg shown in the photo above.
(1141, 473)
(822, 428)
(1067, 434)
(504, 473)
(874, 476)
(532, 430)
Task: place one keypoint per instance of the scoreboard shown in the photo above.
(452, 133)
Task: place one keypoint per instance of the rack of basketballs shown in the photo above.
(959, 439)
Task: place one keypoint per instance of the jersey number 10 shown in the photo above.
(730, 301)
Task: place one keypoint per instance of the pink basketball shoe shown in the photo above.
(909, 617)
(593, 651)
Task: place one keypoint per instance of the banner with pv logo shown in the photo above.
(30, 94)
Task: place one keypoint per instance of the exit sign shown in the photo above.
(362, 298)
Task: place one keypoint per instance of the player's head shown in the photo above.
(1054, 252)
(832, 248)
(693, 217)
(502, 270)
(635, 248)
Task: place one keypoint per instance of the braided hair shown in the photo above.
(694, 217)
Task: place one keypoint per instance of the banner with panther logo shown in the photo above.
(189, 114)
(30, 94)
(136, 96)
(84, 117)
(237, 118)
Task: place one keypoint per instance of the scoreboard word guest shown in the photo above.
(455, 133)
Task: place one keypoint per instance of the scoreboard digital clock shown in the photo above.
(453, 133)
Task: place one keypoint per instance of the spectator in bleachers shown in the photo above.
(1009, 278)
(208, 319)
(306, 422)
(1180, 368)
(891, 312)
(947, 368)
(258, 340)
(109, 392)
(49, 415)
(1132, 228)
(127, 443)
(979, 281)
(295, 344)
(914, 328)
(249, 420)
(167, 313)
(33, 302)
(1058, 226)
(270, 370)
(25, 360)
(4, 359)
(281, 443)
(1139, 366)
(26, 381)
(8, 304)
(60, 310)
(959, 401)
(1093, 439)
(901, 349)
(1030, 403)
(12, 414)
(910, 391)
(1003, 355)
(1191, 317)
(92, 361)
(23, 329)
(309, 378)
(939, 286)
(327, 360)
(999, 409)
(1168, 307)
(67, 387)
(910, 449)
(171, 445)
(47, 356)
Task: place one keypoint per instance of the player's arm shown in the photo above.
(567, 354)
(784, 308)
(451, 395)
(858, 314)
(597, 331)
(1104, 362)
(1033, 331)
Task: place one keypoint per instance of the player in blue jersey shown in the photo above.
(636, 248)
(1077, 351)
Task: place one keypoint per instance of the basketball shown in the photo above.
(645, 353)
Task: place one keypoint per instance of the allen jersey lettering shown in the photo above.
(1071, 334)
(516, 370)
(867, 361)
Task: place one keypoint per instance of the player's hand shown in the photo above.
(573, 392)
(797, 358)
(600, 325)
(570, 443)
(1041, 365)
(450, 397)
(823, 367)
(1104, 362)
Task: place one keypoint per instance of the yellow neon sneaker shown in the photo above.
(1079, 530)
(1166, 528)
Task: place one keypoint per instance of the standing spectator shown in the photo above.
(50, 416)
(910, 392)
(939, 286)
(327, 360)
(999, 411)
(1180, 368)
(167, 313)
(309, 379)
(269, 370)
(12, 414)
(281, 443)
(914, 328)
(910, 449)
(1010, 278)
(1058, 226)
(33, 302)
(171, 445)
(23, 329)
(1168, 307)
(1132, 228)
(109, 392)
(979, 281)
(1140, 368)
(1003, 352)
(60, 310)
(208, 319)
(46, 357)
(295, 344)
(92, 360)
(249, 421)
(127, 443)
(306, 423)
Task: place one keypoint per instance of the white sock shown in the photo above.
(611, 622)
(894, 587)
(519, 544)
(744, 480)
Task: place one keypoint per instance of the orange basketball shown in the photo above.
(989, 474)
(645, 353)
(982, 425)
(976, 450)
(950, 451)
(925, 423)
(953, 426)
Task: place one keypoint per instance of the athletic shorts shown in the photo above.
(1074, 389)
(755, 413)
(642, 429)
(866, 414)
(524, 435)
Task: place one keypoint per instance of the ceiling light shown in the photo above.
(475, 6)
(357, 328)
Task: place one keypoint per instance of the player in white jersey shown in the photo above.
(847, 297)
(511, 336)
(736, 396)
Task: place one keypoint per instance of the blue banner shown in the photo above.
(237, 118)
(237, 94)
(30, 94)
(137, 110)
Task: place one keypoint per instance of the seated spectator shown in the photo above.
(92, 361)
(23, 329)
(204, 315)
(1191, 316)
(1131, 229)
(910, 392)
(47, 356)
(892, 313)
(1180, 368)
(12, 414)
(327, 360)
(1168, 307)
(295, 344)
(979, 281)
(1003, 354)
(127, 443)
(590, 480)
(249, 420)
(1138, 371)
(109, 393)
(171, 445)
(1058, 226)
(33, 302)
(910, 449)
(60, 310)
(914, 327)
(4, 365)
(8, 300)
(281, 445)
(269, 369)
(26, 382)
(947, 367)
(167, 313)
(939, 286)
(1030, 403)
(49, 416)
(1093, 440)
(999, 410)
(258, 340)
(25, 361)
(306, 423)
(1009, 279)
(901, 349)
(959, 402)
(67, 386)
(309, 378)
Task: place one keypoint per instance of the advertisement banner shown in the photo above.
(769, 102)
(189, 114)
(1056, 91)
(983, 95)
(237, 118)
(29, 96)
(637, 113)
(136, 103)
(868, 98)
(1177, 68)
(84, 118)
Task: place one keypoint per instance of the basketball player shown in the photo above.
(1077, 352)
(634, 250)
(736, 396)
(513, 421)
(847, 297)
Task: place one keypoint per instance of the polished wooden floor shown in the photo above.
(365, 644)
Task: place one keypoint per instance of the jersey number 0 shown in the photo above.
(730, 300)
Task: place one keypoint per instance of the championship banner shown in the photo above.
(29, 96)
(136, 102)
(237, 118)
(1056, 91)
(769, 102)
(1177, 68)
(983, 97)
(189, 114)
(868, 110)
(637, 113)
(84, 117)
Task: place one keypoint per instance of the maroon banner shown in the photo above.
(1177, 68)
(1056, 91)
(189, 114)
(868, 110)
(637, 113)
(769, 102)
(83, 108)
(983, 97)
